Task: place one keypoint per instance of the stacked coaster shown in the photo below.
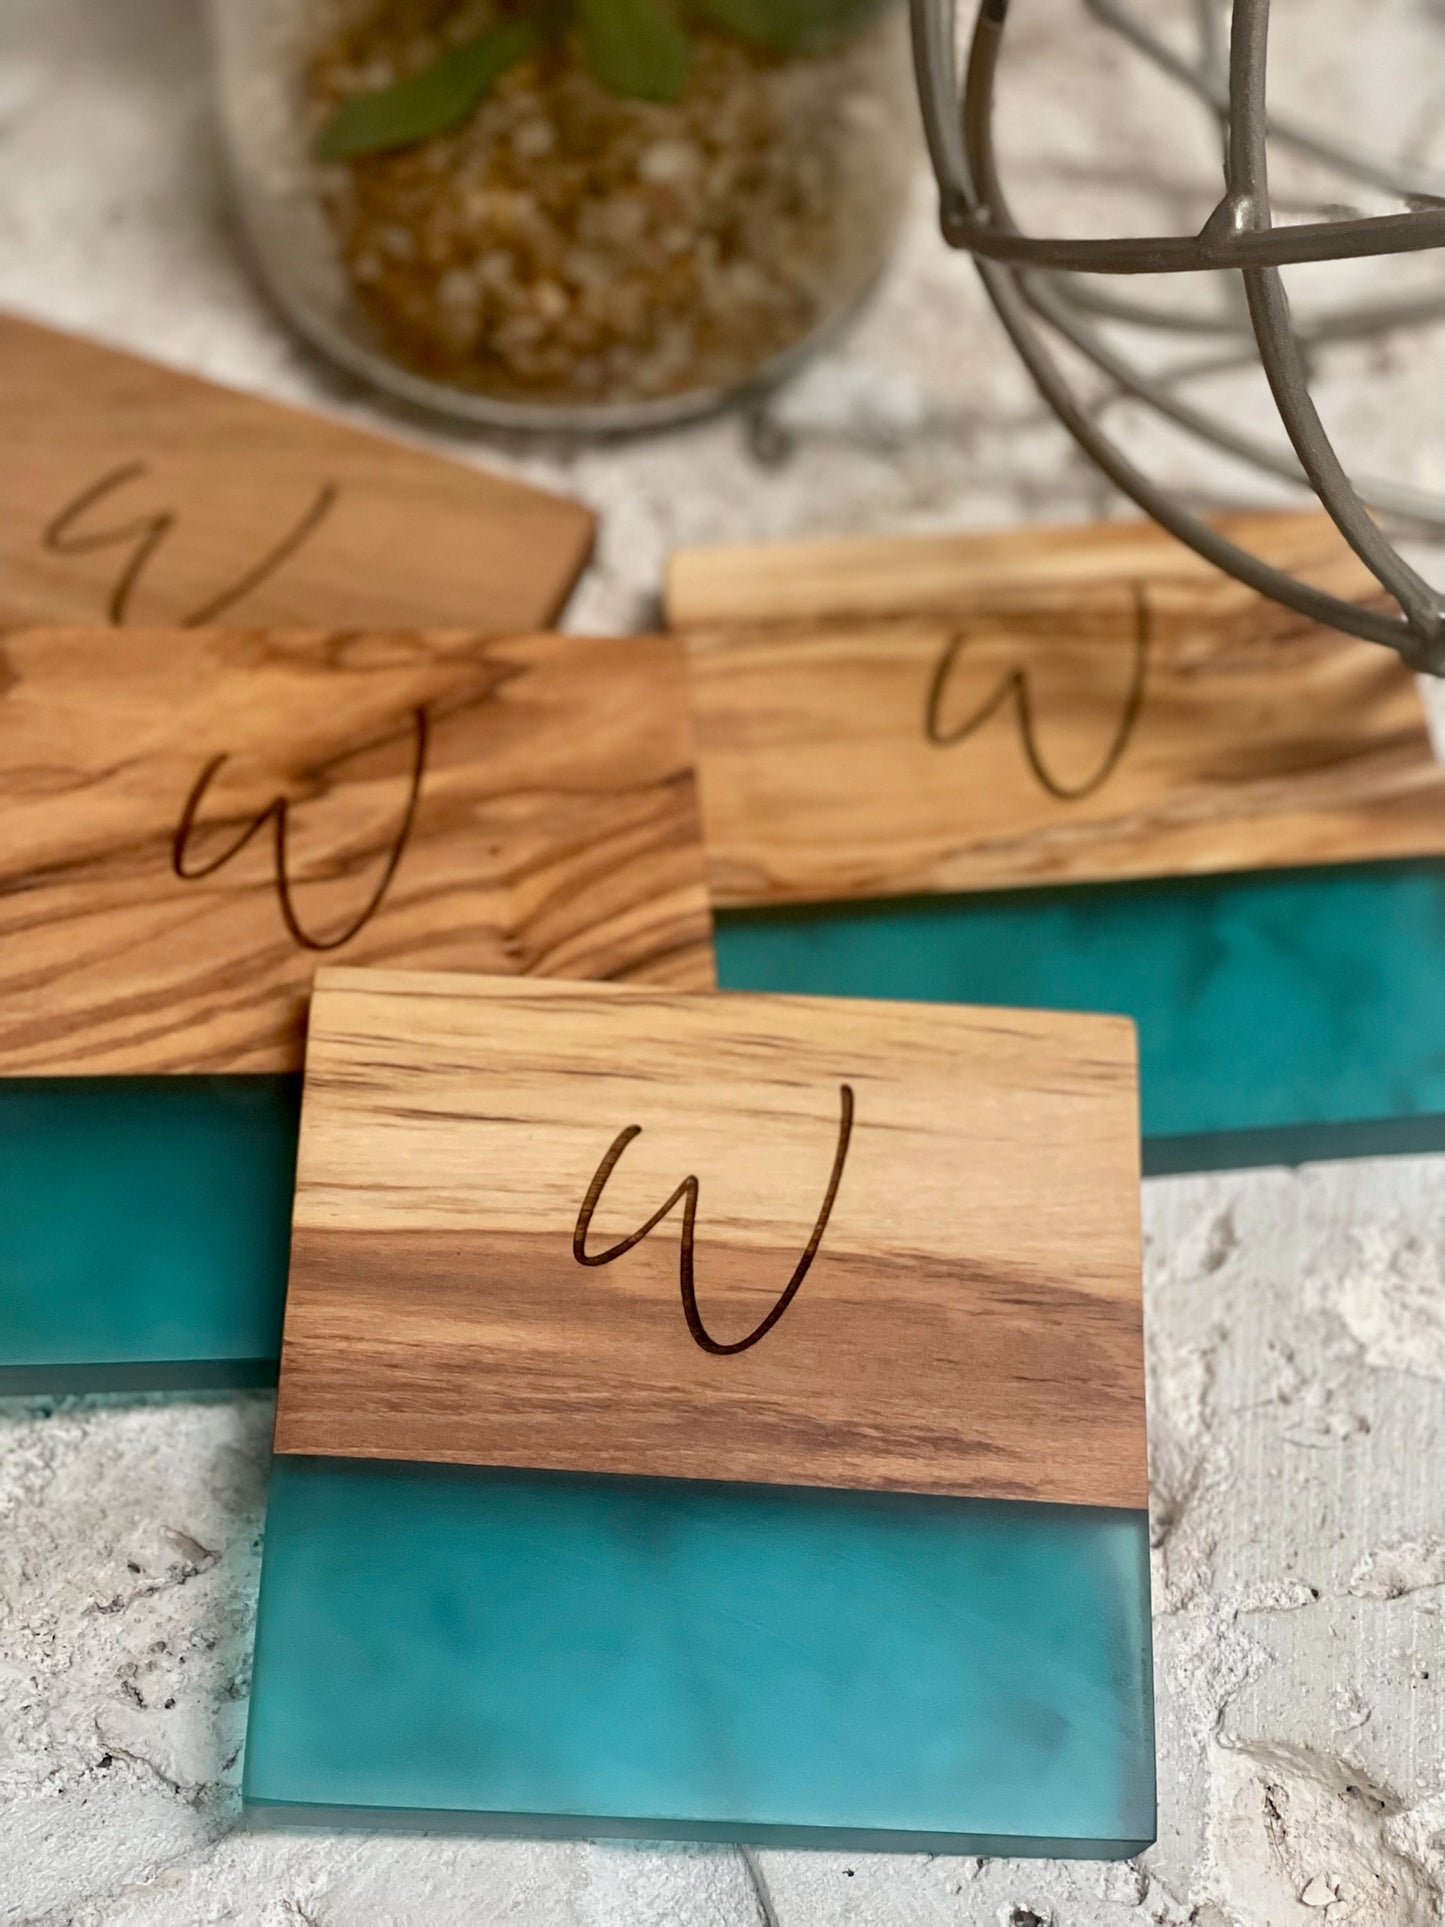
(1077, 769)
(719, 1417)
(133, 494)
(195, 820)
(715, 1417)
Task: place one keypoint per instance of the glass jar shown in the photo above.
(576, 213)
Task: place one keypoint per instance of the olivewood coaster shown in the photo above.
(1078, 769)
(131, 493)
(193, 821)
(710, 1418)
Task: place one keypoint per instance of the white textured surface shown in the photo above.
(1297, 1321)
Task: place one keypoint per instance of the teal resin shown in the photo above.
(144, 1230)
(1283, 1015)
(537, 1653)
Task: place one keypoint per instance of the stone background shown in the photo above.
(1296, 1319)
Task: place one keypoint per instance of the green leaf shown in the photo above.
(786, 25)
(635, 47)
(433, 101)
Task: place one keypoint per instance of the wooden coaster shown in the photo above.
(841, 578)
(1047, 706)
(194, 821)
(130, 493)
(785, 1240)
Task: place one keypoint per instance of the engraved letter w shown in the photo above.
(277, 814)
(1014, 688)
(687, 1194)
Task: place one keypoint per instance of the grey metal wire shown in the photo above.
(1033, 283)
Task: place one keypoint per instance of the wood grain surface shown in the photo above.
(130, 493)
(193, 821)
(966, 1182)
(836, 578)
(1136, 718)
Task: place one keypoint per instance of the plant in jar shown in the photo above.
(592, 202)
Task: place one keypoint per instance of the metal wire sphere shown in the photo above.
(1035, 284)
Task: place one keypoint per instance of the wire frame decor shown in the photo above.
(1048, 293)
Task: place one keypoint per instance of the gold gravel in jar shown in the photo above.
(568, 246)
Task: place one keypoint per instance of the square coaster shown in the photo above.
(734, 1363)
(194, 821)
(131, 493)
(1079, 769)
(599, 1228)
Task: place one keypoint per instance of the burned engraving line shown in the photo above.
(687, 1195)
(1015, 687)
(277, 813)
(145, 534)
